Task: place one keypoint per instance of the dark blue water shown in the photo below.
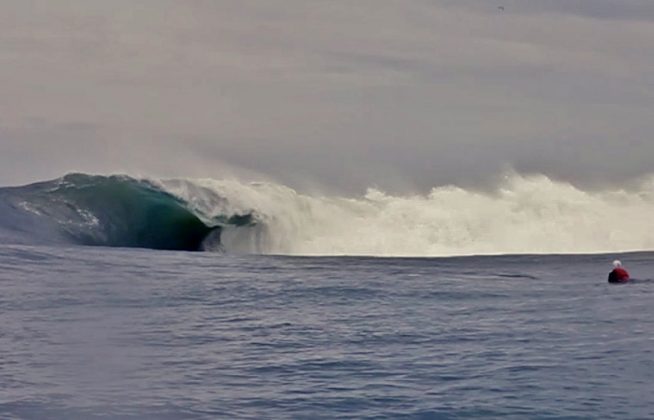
(109, 333)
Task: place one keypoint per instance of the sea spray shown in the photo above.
(523, 214)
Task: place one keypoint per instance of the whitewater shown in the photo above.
(520, 215)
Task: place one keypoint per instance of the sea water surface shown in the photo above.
(108, 333)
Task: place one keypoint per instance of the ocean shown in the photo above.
(96, 324)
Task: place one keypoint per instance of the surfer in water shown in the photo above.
(619, 274)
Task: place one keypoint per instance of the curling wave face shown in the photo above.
(116, 211)
(521, 215)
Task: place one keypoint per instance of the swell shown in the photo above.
(115, 211)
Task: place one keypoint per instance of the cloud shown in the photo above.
(642, 10)
(345, 94)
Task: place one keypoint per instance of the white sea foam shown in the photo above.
(524, 214)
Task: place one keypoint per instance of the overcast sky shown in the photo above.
(402, 95)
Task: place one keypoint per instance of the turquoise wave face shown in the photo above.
(116, 211)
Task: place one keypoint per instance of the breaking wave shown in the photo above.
(523, 214)
(116, 211)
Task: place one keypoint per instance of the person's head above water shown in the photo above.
(618, 274)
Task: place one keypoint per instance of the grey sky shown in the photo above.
(402, 95)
